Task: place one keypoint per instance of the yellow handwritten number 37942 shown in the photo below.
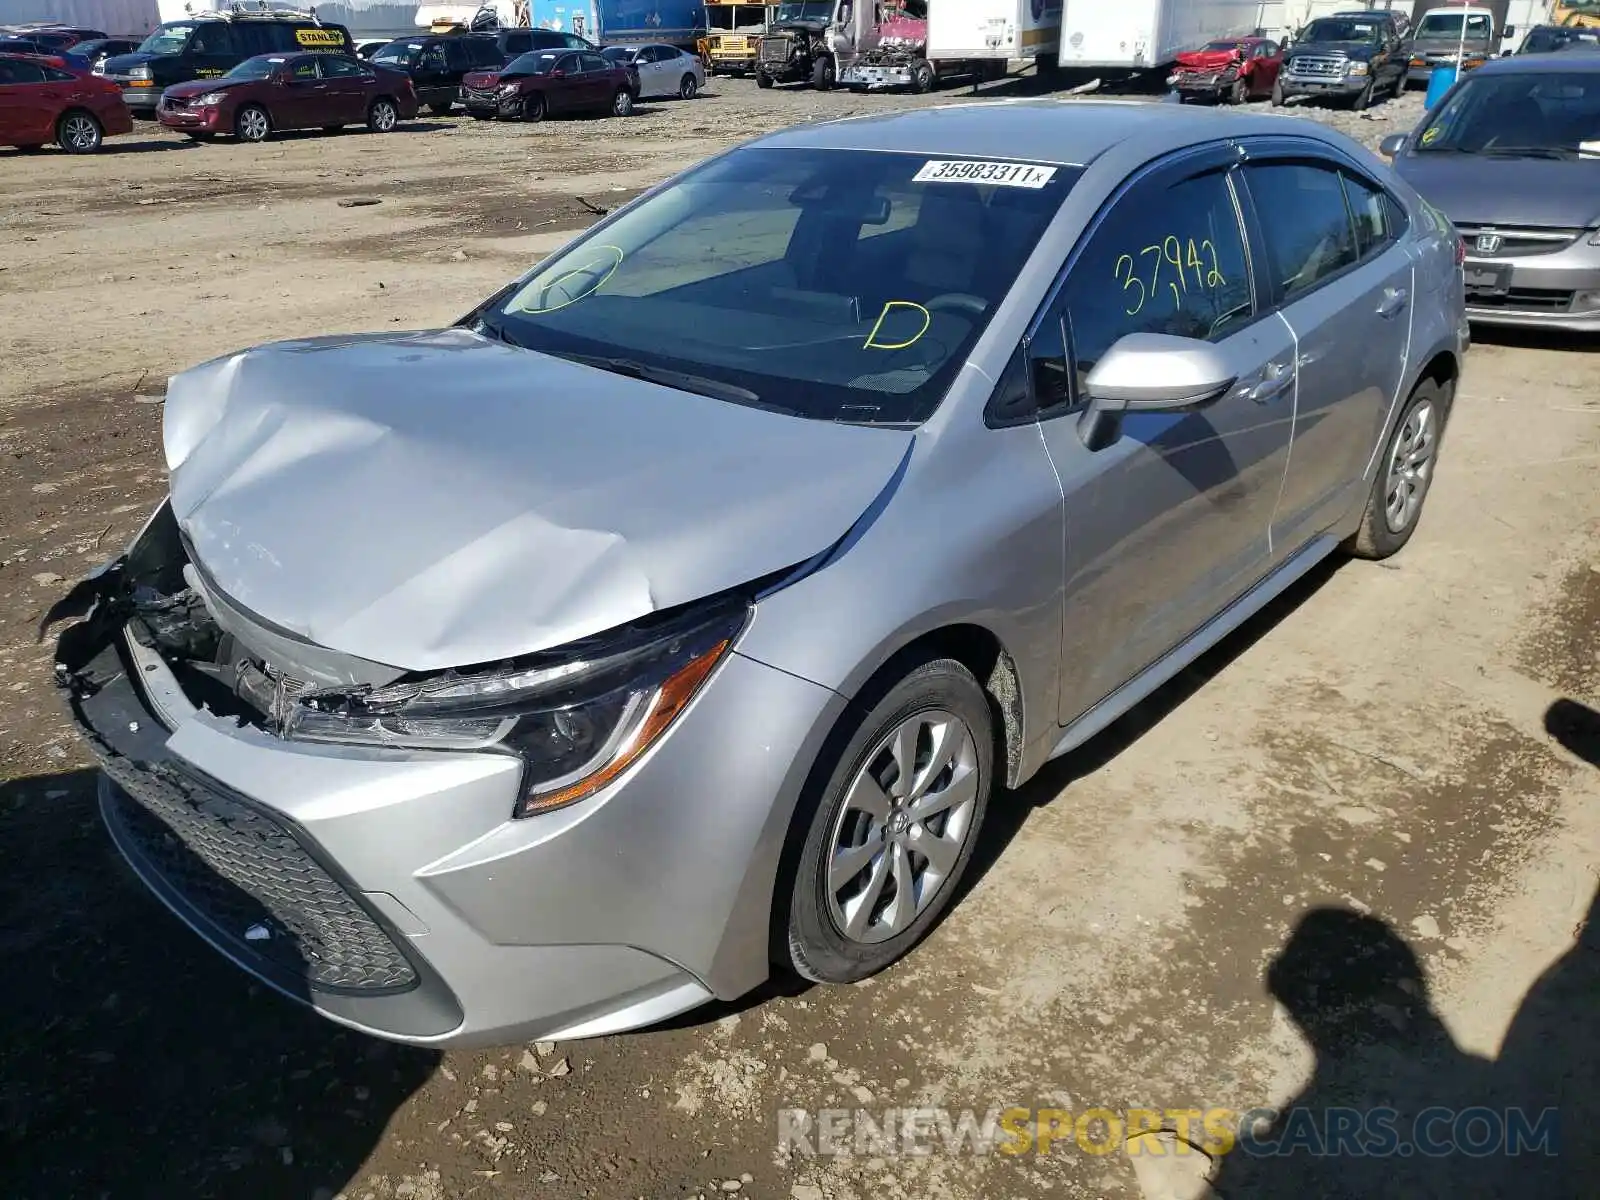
(1201, 259)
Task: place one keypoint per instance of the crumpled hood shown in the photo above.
(1478, 189)
(1208, 60)
(439, 499)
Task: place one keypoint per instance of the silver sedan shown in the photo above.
(663, 70)
(678, 615)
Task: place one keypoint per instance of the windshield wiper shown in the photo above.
(489, 329)
(1529, 152)
(682, 380)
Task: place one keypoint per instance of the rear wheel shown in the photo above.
(622, 103)
(893, 828)
(688, 88)
(79, 133)
(382, 116)
(1405, 473)
(533, 108)
(822, 75)
(252, 124)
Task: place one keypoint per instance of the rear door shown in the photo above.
(1334, 267)
(1168, 524)
(27, 118)
(346, 91)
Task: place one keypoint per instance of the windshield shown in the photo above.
(1541, 115)
(168, 39)
(1332, 30)
(535, 62)
(256, 68)
(398, 52)
(1448, 25)
(839, 285)
(806, 10)
(1222, 46)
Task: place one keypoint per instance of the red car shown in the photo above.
(1232, 70)
(543, 82)
(47, 100)
(290, 91)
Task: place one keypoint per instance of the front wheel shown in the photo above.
(688, 88)
(383, 116)
(822, 75)
(1405, 473)
(894, 827)
(533, 108)
(1239, 93)
(1363, 100)
(252, 124)
(79, 133)
(622, 103)
(763, 80)
(1277, 93)
(922, 79)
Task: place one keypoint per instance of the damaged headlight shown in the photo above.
(577, 718)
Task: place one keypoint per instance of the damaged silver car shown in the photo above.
(679, 613)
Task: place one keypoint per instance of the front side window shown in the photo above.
(1168, 258)
(399, 54)
(1534, 115)
(303, 69)
(1306, 223)
(830, 284)
(592, 62)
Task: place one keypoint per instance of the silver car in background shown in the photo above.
(1512, 157)
(678, 614)
(663, 70)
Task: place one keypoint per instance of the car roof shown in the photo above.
(1541, 64)
(1060, 130)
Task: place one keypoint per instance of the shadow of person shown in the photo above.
(135, 1060)
(1358, 994)
(1577, 727)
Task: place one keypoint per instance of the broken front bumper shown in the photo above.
(391, 890)
(877, 78)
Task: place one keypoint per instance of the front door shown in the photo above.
(1169, 524)
(597, 85)
(1344, 285)
(211, 51)
(304, 99)
(25, 114)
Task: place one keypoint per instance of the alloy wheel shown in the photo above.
(1410, 468)
(80, 133)
(383, 116)
(904, 822)
(253, 125)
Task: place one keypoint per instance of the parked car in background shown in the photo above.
(1358, 58)
(20, 45)
(662, 70)
(1512, 157)
(547, 82)
(437, 63)
(1233, 70)
(94, 51)
(54, 39)
(290, 91)
(368, 49)
(1463, 36)
(42, 101)
(1549, 39)
(209, 46)
(662, 685)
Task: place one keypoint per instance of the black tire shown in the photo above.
(763, 80)
(1379, 536)
(1398, 91)
(1363, 100)
(1278, 97)
(533, 107)
(252, 123)
(1239, 93)
(382, 115)
(442, 109)
(822, 75)
(818, 949)
(622, 103)
(79, 132)
(688, 87)
(922, 79)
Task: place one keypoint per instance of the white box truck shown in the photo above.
(957, 38)
(1144, 35)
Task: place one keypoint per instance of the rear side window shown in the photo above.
(334, 67)
(250, 40)
(1168, 258)
(20, 72)
(456, 56)
(518, 43)
(1307, 225)
(482, 52)
(1370, 209)
(593, 62)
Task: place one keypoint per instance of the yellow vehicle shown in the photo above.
(732, 31)
(1585, 14)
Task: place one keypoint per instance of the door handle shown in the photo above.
(1274, 380)
(1394, 299)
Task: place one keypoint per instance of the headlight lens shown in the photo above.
(508, 89)
(1356, 68)
(209, 99)
(138, 72)
(577, 718)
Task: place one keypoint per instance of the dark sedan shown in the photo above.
(1512, 157)
(545, 82)
(290, 91)
(94, 51)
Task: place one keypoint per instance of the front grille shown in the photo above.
(174, 102)
(775, 49)
(476, 95)
(252, 881)
(1515, 243)
(1317, 68)
(1531, 300)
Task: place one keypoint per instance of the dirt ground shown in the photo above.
(1402, 740)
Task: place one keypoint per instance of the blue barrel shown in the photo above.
(1440, 80)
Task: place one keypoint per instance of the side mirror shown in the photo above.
(1509, 31)
(558, 73)
(1150, 372)
(1391, 146)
